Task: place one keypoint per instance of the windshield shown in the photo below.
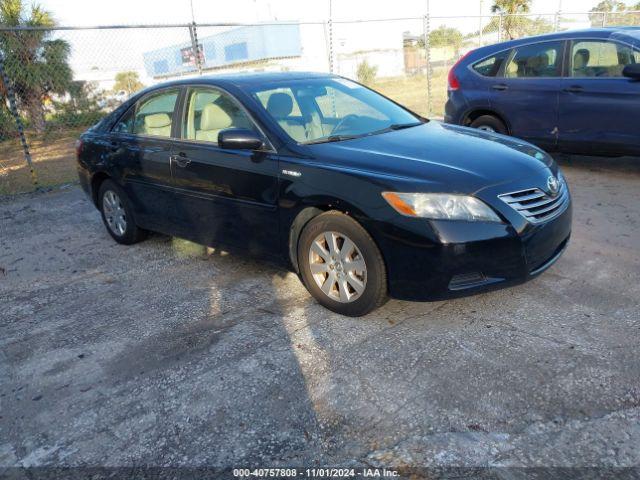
(320, 110)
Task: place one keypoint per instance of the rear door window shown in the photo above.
(490, 67)
(540, 60)
(155, 114)
(598, 58)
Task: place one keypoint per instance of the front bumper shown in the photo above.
(465, 258)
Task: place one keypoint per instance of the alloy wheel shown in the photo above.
(338, 267)
(114, 213)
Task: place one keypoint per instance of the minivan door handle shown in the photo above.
(501, 87)
(574, 89)
(181, 160)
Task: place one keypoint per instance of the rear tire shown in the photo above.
(489, 123)
(341, 265)
(117, 214)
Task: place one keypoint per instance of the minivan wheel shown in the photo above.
(341, 265)
(489, 123)
(117, 214)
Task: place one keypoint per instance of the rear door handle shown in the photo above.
(501, 86)
(574, 89)
(181, 160)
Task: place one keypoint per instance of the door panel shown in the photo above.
(599, 107)
(225, 197)
(140, 146)
(528, 93)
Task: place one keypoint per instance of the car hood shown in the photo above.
(464, 159)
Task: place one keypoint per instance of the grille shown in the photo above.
(538, 206)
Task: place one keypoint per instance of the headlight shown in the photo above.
(440, 206)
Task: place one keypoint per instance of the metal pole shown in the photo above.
(480, 38)
(330, 36)
(604, 19)
(193, 32)
(11, 95)
(500, 27)
(427, 46)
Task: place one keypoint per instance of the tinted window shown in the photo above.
(601, 58)
(536, 61)
(125, 124)
(209, 111)
(154, 115)
(489, 67)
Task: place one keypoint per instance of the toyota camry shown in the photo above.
(361, 197)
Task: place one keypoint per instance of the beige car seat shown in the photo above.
(280, 106)
(213, 120)
(158, 124)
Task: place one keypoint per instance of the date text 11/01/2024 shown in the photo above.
(315, 473)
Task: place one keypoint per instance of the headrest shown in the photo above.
(280, 105)
(581, 58)
(157, 120)
(214, 118)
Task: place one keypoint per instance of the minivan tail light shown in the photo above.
(454, 83)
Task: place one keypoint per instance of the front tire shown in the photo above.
(117, 214)
(489, 123)
(341, 265)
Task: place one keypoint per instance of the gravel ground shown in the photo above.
(166, 353)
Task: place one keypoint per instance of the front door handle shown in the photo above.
(501, 87)
(574, 89)
(180, 160)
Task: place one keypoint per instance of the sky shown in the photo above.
(94, 12)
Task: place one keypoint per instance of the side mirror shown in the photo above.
(240, 139)
(632, 71)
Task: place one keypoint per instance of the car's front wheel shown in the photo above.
(341, 265)
(117, 214)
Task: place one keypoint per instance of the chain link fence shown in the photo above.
(56, 82)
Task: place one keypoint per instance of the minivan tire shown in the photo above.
(490, 122)
(374, 293)
(132, 233)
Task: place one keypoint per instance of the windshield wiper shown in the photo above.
(332, 138)
(400, 126)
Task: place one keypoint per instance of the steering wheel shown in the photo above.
(343, 122)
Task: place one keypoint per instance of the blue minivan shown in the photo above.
(573, 92)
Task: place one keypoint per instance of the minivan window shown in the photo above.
(489, 67)
(209, 111)
(536, 61)
(154, 115)
(593, 58)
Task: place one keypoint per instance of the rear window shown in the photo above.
(489, 67)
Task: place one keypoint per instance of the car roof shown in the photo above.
(623, 33)
(247, 79)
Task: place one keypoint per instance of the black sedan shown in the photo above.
(360, 196)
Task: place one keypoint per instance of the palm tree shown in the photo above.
(510, 9)
(36, 64)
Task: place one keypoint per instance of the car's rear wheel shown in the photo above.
(341, 265)
(117, 214)
(489, 123)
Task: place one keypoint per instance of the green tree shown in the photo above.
(36, 63)
(366, 73)
(128, 81)
(613, 12)
(444, 36)
(512, 23)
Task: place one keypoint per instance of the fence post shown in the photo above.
(604, 19)
(500, 25)
(330, 25)
(193, 33)
(13, 107)
(427, 46)
(556, 22)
